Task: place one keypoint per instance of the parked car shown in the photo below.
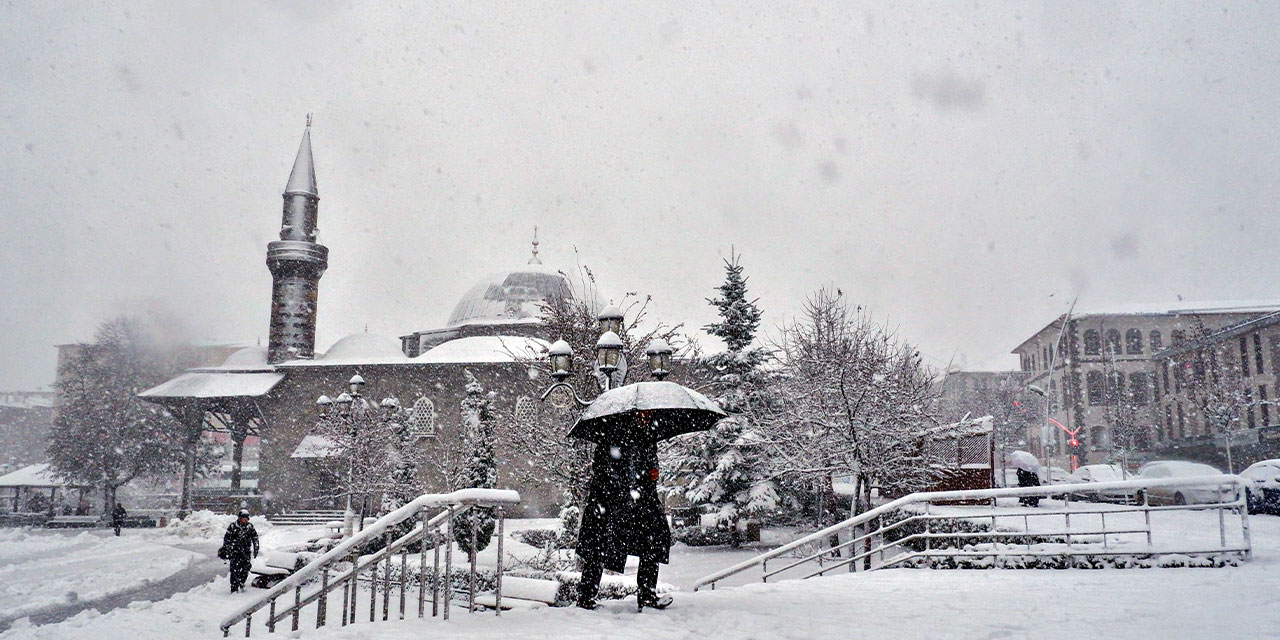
(1057, 475)
(1102, 473)
(1181, 494)
(1263, 486)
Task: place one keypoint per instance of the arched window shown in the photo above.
(1133, 341)
(1053, 395)
(1138, 388)
(1115, 387)
(1097, 387)
(422, 419)
(1113, 342)
(1157, 341)
(1092, 343)
(526, 411)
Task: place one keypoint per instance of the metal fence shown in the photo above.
(342, 568)
(1111, 524)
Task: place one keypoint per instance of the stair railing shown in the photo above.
(343, 568)
(868, 543)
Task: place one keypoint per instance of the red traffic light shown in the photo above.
(1074, 442)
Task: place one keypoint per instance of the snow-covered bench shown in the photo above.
(522, 593)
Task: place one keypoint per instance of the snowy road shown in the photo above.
(1237, 602)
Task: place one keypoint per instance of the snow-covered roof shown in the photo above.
(36, 475)
(215, 384)
(26, 399)
(510, 296)
(246, 359)
(484, 349)
(358, 349)
(314, 446)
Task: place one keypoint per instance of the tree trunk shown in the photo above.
(237, 457)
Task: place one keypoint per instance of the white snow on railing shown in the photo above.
(479, 497)
(1043, 491)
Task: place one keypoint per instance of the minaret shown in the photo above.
(296, 262)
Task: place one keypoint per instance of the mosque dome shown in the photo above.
(362, 348)
(511, 296)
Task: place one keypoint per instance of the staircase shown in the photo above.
(310, 517)
(363, 582)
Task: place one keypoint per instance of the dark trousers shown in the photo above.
(646, 580)
(239, 571)
(116, 526)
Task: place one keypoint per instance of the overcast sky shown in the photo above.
(961, 169)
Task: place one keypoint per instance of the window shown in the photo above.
(422, 419)
(1097, 438)
(526, 411)
(1092, 343)
(1115, 388)
(1066, 394)
(1257, 354)
(1168, 421)
(1164, 372)
(1053, 396)
(1244, 356)
(1262, 404)
(1138, 388)
(1182, 422)
(1157, 341)
(1248, 407)
(1097, 387)
(1113, 342)
(1133, 341)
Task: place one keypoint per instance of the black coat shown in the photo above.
(622, 515)
(1028, 478)
(118, 514)
(240, 540)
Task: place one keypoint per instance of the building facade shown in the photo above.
(1103, 378)
(264, 398)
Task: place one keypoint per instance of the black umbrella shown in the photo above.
(645, 412)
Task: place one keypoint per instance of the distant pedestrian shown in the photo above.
(118, 514)
(239, 546)
(1028, 479)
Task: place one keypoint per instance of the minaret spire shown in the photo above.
(534, 259)
(296, 262)
(303, 177)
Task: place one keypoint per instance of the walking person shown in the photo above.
(623, 516)
(239, 546)
(118, 514)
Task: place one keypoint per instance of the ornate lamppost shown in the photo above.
(352, 407)
(610, 363)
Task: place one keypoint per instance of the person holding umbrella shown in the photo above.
(622, 515)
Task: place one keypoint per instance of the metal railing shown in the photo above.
(343, 568)
(935, 529)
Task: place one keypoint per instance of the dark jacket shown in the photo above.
(622, 515)
(1028, 478)
(240, 541)
(118, 515)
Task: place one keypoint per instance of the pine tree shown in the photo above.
(481, 471)
(739, 317)
(725, 467)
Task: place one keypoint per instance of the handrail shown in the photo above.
(462, 497)
(1043, 491)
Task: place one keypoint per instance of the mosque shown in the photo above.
(263, 400)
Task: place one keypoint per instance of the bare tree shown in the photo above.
(854, 400)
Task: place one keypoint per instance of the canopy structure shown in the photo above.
(36, 475)
(217, 399)
(223, 400)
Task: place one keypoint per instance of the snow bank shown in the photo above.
(208, 525)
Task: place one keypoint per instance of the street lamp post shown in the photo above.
(351, 405)
(1044, 429)
(610, 363)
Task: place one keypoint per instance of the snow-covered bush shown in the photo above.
(703, 537)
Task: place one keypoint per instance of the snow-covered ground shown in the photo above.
(44, 569)
(1233, 602)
